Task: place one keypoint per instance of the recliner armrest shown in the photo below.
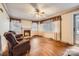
(21, 47)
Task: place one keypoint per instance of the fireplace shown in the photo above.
(27, 33)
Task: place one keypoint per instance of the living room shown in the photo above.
(41, 26)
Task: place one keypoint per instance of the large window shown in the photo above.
(34, 26)
(15, 25)
(57, 26)
(51, 26)
(77, 24)
(47, 26)
(76, 32)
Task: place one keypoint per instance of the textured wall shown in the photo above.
(4, 27)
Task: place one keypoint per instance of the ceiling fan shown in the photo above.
(1, 9)
(37, 10)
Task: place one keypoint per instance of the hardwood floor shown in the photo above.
(41, 46)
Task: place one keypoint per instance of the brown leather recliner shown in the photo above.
(19, 37)
(16, 48)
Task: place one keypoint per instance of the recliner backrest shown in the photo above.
(11, 38)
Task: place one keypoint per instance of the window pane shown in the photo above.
(34, 26)
(77, 24)
(47, 26)
(15, 26)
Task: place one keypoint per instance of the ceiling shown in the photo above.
(27, 10)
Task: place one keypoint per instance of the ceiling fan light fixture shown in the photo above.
(37, 10)
(1, 9)
(42, 12)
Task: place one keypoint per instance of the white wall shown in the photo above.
(4, 27)
(67, 27)
(26, 24)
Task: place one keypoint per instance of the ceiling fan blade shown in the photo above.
(1, 9)
(34, 5)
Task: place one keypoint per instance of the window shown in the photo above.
(34, 26)
(15, 25)
(57, 26)
(47, 26)
(77, 24)
(51, 26)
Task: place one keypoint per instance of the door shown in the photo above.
(76, 28)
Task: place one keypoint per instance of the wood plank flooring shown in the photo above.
(41, 46)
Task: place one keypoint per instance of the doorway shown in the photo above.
(76, 29)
